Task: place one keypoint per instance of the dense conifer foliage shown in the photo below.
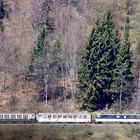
(2, 13)
(122, 82)
(45, 66)
(40, 46)
(123, 86)
(98, 61)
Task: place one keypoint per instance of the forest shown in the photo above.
(69, 55)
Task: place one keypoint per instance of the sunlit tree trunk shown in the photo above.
(121, 92)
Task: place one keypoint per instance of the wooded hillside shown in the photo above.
(40, 47)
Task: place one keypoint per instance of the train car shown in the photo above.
(117, 118)
(63, 118)
(17, 117)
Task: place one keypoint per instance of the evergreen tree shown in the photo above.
(122, 73)
(45, 65)
(2, 10)
(40, 46)
(3, 14)
(96, 64)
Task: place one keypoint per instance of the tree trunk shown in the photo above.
(138, 86)
(121, 91)
(46, 89)
(4, 82)
(121, 96)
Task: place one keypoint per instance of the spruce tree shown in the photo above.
(45, 64)
(122, 72)
(40, 46)
(3, 14)
(96, 64)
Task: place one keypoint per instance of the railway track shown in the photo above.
(69, 124)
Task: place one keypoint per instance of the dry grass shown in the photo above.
(68, 132)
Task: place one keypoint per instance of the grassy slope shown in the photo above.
(67, 132)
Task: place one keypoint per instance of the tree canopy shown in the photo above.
(97, 64)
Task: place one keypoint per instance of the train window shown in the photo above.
(64, 116)
(1, 116)
(49, 116)
(75, 116)
(80, 117)
(59, 116)
(117, 116)
(111, 116)
(69, 116)
(6, 116)
(25, 116)
(19, 116)
(85, 116)
(98, 116)
(103, 116)
(131, 116)
(54, 116)
(44, 117)
(137, 117)
(13, 116)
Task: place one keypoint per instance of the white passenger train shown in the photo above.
(63, 117)
(17, 117)
(117, 118)
(68, 118)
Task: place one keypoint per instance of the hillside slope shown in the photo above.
(73, 21)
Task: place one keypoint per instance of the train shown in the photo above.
(68, 118)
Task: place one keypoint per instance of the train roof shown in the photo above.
(118, 114)
(67, 113)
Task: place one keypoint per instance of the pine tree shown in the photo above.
(122, 72)
(2, 10)
(45, 65)
(40, 46)
(3, 14)
(96, 64)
